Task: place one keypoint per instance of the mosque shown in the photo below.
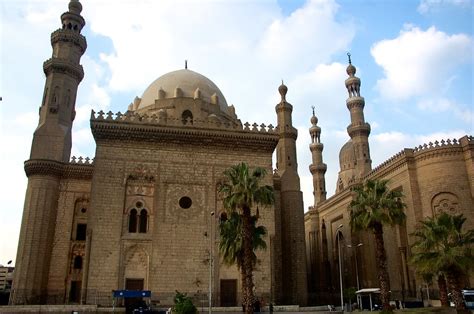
(143, 214)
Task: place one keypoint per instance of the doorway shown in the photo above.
(228, 292)
(133, 284)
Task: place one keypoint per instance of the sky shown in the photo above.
(414, 58)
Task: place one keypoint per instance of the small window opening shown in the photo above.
(185, 202)
(187, 116)
(81, 232)
(143, 221)
(78, 262)
(132, 221)
(69, 25)
(75, 27)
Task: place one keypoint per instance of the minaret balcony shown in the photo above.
(67, 35)
(318, 168)
(318, 147)
(355, 102)
(63, 66)
(358, 129)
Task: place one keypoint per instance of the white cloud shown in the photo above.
(418, 63)
(154, 37)
(305, 34)
(426, 6)
(386, 144)
(462, 112)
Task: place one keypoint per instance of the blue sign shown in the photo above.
(131, 293)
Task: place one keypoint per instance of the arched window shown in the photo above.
(78, 262)
(132, 221)
(143, 221)
(187, 116)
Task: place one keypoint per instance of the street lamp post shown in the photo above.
(355, 256)
(210, 263)
(340, 265)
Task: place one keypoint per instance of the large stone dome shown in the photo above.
(347, 156)
(183, 83)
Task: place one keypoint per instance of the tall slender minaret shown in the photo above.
(358, 130)
(317, 168)
(294, 280)
(50, 149)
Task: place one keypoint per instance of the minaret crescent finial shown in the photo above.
(349, 56)
(313, 109)
(186, 64)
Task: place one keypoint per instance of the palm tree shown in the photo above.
(242, 190)
(374, 206)
(442, 246)
(230, 246)
(428, 274)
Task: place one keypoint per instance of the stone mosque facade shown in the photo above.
(434, 177)
(144, 213)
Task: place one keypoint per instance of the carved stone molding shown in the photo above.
(187, 135)
(63, 66)
(58, 169)
(43, 167)
(66, 35)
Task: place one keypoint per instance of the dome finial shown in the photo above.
(314, 119)
(185, 64)
(351, 70)
(283, 90)
(75, 7)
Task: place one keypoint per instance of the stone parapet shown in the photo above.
(66, 35)
(78, 168)
(209, 132)
(63, 66)
(421, 152)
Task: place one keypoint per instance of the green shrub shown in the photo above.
(183, 304)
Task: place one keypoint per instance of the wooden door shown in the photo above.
(229, 292)
(133, 284)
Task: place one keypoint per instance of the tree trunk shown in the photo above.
(443, 290)
(456, 294)
(247, 264)
(381, 260)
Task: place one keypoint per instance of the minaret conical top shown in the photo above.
(75, 7)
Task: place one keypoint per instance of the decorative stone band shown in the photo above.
(316, 147)
(354, 102)
(67, 35)
(58, 169)
(73, 16)
(283, 106)
(63, 66)
(358, 129)
(133, 126)
(321, 168)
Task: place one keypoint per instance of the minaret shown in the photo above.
(317, 168)
(50, 149)
(358, 130)
(294, 279)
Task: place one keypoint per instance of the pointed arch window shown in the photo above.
(143, 221)
(132, 221)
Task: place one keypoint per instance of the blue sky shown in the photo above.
(414, 57)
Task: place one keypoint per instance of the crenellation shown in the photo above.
(209, 123)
